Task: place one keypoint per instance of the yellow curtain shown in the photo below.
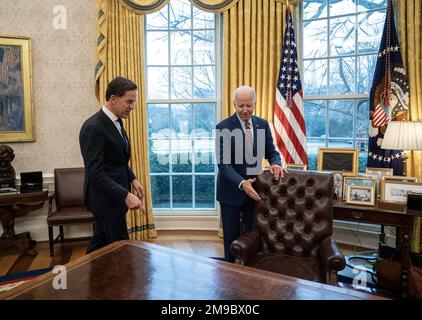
(120, 53)
(251, 50)
(410, 29)
(144, 6)
(215, 6)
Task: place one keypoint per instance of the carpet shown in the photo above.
(11, 281)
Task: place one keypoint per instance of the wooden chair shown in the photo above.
(68, 196)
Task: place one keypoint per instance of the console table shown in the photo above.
(14, 205)
(385, 215)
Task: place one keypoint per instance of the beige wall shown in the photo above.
(63, 78)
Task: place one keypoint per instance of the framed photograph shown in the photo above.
(16, 110)
(357, 181)
(381, 171)
(295, 166)
(338, 185)
(396, 191)
(344, 160)
(400, 178)
(360, 195)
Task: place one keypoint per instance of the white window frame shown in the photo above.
(217, 101)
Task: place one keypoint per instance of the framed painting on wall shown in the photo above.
(16, 105)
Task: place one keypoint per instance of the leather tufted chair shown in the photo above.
(293, 228)
(68, 185)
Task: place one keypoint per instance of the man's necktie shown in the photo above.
(249, 139)
(122, 133)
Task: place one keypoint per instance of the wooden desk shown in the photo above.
(140, 270)
(14, 205)
(384, 216)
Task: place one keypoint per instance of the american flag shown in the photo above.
(289, 122)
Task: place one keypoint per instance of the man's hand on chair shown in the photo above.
(249, 190)
(277, 171)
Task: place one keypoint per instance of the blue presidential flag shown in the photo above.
(389, 98)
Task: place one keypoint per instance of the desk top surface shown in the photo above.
(141, 270)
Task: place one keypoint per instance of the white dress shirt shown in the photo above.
(113, 118)
(243, 123)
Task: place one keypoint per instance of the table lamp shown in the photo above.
(403, 135)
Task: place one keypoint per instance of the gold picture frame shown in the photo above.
(294, 166)
(344, 160)
(16, 102)
(396, 191)
(384, 172)
(357, 181)
(360, 195)
(400, 178)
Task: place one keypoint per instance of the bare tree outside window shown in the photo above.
(340, 44)
(181, 68)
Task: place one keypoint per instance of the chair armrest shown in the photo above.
(245, 247)
(331, 256)
(51, 197)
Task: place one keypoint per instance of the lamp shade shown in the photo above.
(403, 135)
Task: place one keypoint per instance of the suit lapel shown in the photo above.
(110, 127)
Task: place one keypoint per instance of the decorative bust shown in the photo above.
(7, 173)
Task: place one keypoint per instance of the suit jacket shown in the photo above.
(231, 174)
(107, 173)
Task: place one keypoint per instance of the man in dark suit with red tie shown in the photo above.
(242, 141)
(105, 150)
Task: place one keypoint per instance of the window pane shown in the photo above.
(312, 146)
(160, 191)
(204, 155)
(315, 114)
(315, 37)
(340, 116)
(315, 77)
(182, 191)
(362, 119)
(342, 36)
(158, 120)
(180, 14)
(342, 76)
(342, 7)
(370, 29)
(204, 119)
(203, 46)
(202, 19)
(157, 20)
(204, 192)
(181, 155)
(159, 151)
(181, 120)
(314, 9)
(158, 83)
(204, 82)
(340, 143)
(371, 4)
(181, 82)
(157, 53)
(363, 157)
(181, 47)
(366, 69)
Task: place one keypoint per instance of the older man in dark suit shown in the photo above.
(105, 149)
(242, 141)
